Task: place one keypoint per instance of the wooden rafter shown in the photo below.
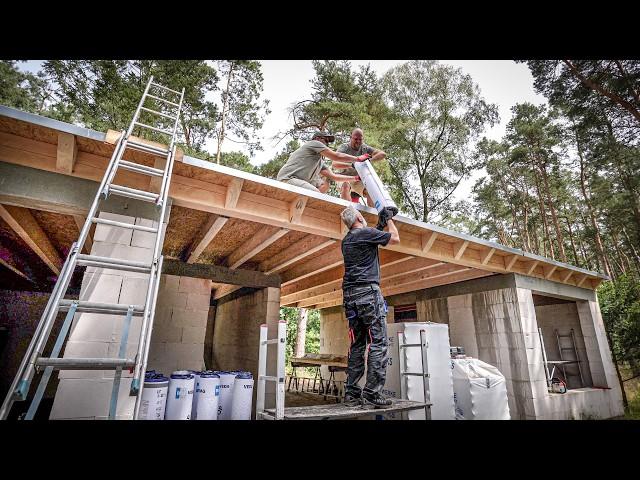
(27, 228)
(207, 233)
(459, 248)
(258, 242)
(428, 239)
(294, 253)
(548, 272)
(488, 255)
(297, 209)
(509, 262)
(225, 290)
(532, 267)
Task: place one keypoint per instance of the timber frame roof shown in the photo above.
(233, 220)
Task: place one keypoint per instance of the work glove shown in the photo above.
(384, 216)
(363, 157)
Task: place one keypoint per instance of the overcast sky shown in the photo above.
(502, 82)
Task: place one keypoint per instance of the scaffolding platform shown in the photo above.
(340, 410)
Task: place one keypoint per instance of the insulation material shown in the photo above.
(242, 397)
(208, 391)
(154, 398)
(439, 383)
(226, 394)
(375, 188)
(480, 390)
(180, 398)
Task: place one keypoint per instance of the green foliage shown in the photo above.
(312, 340)
(20, 90)
(243, 113)
(620, 307)
(237, 160)
(436, 114)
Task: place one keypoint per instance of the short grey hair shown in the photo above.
(349, 216)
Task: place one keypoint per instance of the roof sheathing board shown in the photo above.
(182, 230)
(61, 230)
(231, 237)
(276, 247)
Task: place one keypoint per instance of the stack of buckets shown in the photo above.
(191, 395)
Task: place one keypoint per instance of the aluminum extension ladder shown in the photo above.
(33, 360)
(573, 348)
(263, 378)
(424, 374)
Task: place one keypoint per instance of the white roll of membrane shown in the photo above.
(208, 396)
(242, 397)
(180, 396)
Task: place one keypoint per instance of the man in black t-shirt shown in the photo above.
(365, 308)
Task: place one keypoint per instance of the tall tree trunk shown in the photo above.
(301, 336)
(602, 258)
(543, 214)
(225, 106)
(573, 245)
(621, 255)
(554, 216)
(587, 263)
(634, 252)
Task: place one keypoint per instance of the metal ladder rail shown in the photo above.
(425, 369)
(263, 378)
(22, 381)
(21, 384)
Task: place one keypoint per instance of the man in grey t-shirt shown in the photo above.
(356, 146)
(305, 166)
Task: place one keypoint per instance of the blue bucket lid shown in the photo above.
(158, 378)
(182, 375)
(149, 373)
(244, 376)
(209, 375)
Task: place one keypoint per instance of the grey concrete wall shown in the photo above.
(236, 333)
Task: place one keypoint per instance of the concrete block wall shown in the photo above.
(236, 333)
(177, 339)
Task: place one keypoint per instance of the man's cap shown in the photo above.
(319, 133)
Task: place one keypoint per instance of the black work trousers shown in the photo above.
(366, 313)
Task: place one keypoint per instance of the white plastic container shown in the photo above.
(208, 391)
(480, 390)
(180, 397)
(225, 401)
(375, 188)
(242, 397)
(154, 397)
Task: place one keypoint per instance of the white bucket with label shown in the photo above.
(208, 391)
(180, 396)
(154, 397)
(226, 394)
(242, 397)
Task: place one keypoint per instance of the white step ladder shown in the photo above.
(33, 360)
(263, 378)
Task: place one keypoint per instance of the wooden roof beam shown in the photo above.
(294, 253)
(258, 242)
(27, 228)
(488, 255)
(508, 264)
(459, 248)
(66, 153)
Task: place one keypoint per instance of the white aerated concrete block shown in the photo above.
(195, 285)
(198, 301)
(121, 252)
(93, 327)
(193, 335)
(144, 239)
(111, 234)
(90, 398)
(100, 288)
(134, 291)
(189, 318)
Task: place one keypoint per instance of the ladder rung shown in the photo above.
(162, 100)
(114, 263)
(124, 225)
(146, 148)
(138, 168)
(134, 193)
(166, 88)
(85, 363)
(157, 113)
(161, 130)
(411, 345)
(105, 308)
